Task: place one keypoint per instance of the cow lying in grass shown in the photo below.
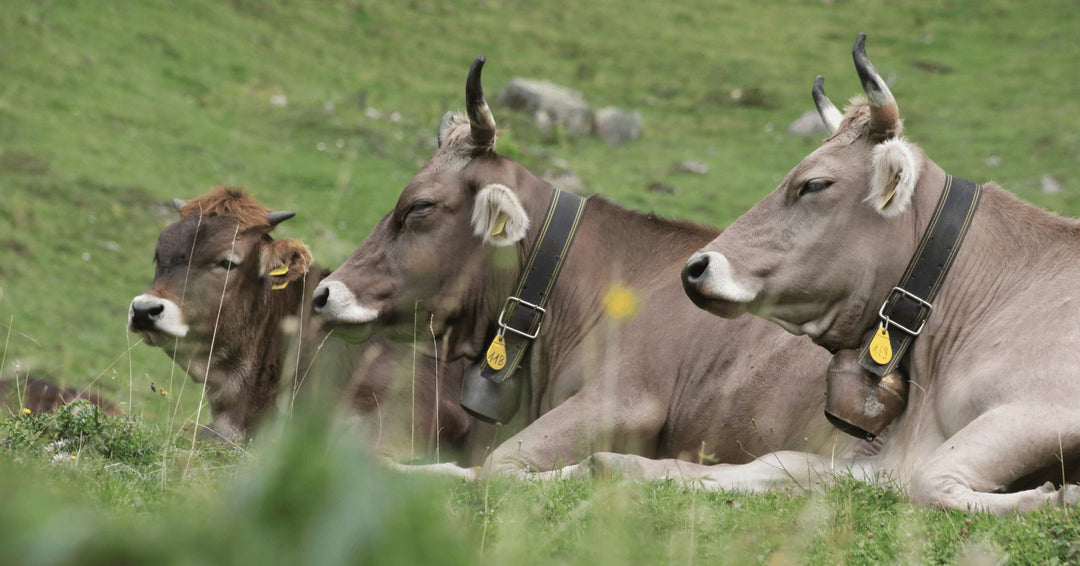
(41, 396)
(229, 305)
(624, 361)
(993, 423)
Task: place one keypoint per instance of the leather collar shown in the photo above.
(522, 315)
(909, 304)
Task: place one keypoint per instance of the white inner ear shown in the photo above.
(498, 216)
(895, 173)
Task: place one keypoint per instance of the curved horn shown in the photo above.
(825, 108)
(278, 216)
(178, 204)
(481, 123)
(884, 115)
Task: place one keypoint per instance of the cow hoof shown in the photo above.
(1068, 495)
(611, 465)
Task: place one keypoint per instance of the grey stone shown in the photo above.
(616, 126)
(691, 166)
(807, 125)
(549, 104)
(1049, 185)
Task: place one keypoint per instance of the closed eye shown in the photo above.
(814, 186)
(228, 264)
(419, 208)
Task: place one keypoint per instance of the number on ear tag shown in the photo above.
(881, 346)
(496, 353)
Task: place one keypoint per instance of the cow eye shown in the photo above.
(228, 264)
(814, 186)
(420, 207)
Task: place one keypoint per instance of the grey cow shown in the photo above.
(624, 361)
(993, 422)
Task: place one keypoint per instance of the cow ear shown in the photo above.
(895, 174)
(498, 216)
(284, 261)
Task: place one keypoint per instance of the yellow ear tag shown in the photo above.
(892, 193)
(881, 347)
(280, 271)
(279, 286)
(496, 353)
(500, 225)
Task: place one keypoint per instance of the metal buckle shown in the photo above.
(912, 296)
(537, 321)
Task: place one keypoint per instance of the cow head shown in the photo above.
(818, 254)
(449, 247)
(219, 274)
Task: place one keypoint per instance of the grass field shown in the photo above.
(108, 110)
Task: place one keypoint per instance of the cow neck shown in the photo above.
(521, 318)
(257, 362)
(909, 304)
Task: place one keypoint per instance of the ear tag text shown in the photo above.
(496, 353)
(500, 224)
(881, 347)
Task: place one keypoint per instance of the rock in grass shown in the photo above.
(549, 104)
(616, 126)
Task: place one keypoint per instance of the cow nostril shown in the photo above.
(321, 297)
(695, 268)
(155, 310)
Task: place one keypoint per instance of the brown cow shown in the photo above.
(993, 422)
(665, 381)
(223, 292)
(41, 396)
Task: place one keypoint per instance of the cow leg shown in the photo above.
(445, 469)
(785, 469)
(573, 430)
(1001, 446)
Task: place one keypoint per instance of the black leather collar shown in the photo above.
(522, 316)
(909, 304)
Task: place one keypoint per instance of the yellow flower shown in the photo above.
(74, 457)
(26, 411)
(164, 393)
(620, 302)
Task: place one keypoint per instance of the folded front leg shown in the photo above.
(974, 468)
(578, 427)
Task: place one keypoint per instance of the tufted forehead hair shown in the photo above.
(229, 201)
(856, 122)
(455, 134)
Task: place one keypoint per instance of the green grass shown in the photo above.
(107, 110)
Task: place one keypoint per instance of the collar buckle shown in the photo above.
(537, 317)
(900, 293)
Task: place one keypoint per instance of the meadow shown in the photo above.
(110, 109)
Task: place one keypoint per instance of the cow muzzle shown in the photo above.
(859, 402)
(709, 282)
(155, 314)
(338, 305)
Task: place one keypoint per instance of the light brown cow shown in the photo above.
(224, 291)
(665, 380)
(993, 422)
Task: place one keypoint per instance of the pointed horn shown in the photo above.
(278, 216)
(178, 204)
(825, 108)
(481, 123)
(884, 115)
